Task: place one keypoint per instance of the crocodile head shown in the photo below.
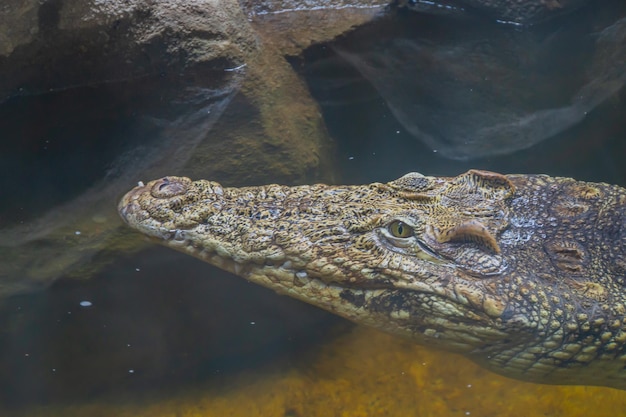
(478, 264)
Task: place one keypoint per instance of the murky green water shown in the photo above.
(151, 332)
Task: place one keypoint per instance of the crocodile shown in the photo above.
(523, 274)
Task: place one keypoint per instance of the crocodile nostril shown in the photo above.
(165, 182)
(168, 187)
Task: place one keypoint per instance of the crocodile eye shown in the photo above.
(400, 229)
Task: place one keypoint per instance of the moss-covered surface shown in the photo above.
(364, 373)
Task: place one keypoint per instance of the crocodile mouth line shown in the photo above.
(276, 271)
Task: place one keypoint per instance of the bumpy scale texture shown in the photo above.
(524, 274)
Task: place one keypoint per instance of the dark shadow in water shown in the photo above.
(59, 144)
(67, 155)
(373, 146)
(155, 322)
(80, 141)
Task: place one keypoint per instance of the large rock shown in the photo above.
(59, 44)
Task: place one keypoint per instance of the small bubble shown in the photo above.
(85, 304)
(469, 385)
(397, 132)
(131, 371)
(77, 232)
(252, 322)
(137, 269)
(350, 158)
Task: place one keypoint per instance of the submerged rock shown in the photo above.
(485, 89)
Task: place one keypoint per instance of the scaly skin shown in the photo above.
(524, 274)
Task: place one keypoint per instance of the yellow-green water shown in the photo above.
(364, 373)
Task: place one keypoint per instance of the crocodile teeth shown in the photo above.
(179, 235)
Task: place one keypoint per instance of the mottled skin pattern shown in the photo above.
(524, 274)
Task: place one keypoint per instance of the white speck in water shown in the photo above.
(140, 184)
(435, 150)
(467, 413)
(469, 385)
(27, 354)
(127, 344)
(77, 232)
(252, 322)
(85, 304)
(131, 371)
(424, 363)
(137, 269)
(397, 132)
(351, 158)
(54, 369)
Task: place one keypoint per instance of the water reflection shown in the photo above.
(485, 89)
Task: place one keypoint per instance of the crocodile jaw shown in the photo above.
(307, 242)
